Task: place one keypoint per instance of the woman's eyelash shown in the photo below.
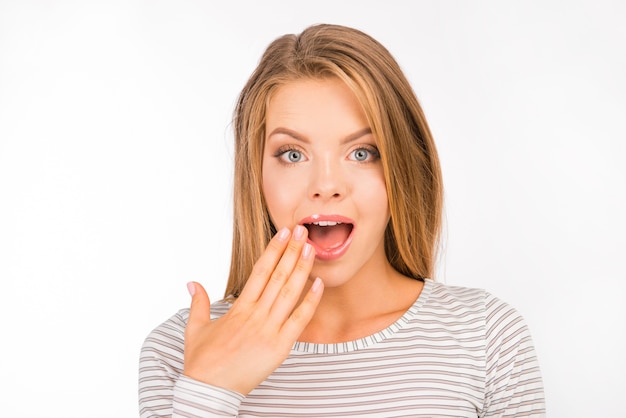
(290, 155)
(282, 154)
(280, 151)
(372, 150)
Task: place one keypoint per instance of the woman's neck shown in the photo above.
(367, 303)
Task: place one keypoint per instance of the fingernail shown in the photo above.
(191, 288)
(298, 232)
(316, 285)
(283, 234)
(306, 252)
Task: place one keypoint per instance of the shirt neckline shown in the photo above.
(362, 343)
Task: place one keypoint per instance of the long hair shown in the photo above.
(408, 154)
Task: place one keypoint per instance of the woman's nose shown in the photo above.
(328, 181)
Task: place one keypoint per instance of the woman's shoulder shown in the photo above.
(463, 301)
(451, 298)
(446, 292)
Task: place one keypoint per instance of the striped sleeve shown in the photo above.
(164, 391)
(513, 381)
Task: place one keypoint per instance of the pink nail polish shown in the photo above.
(316, 285)
(283, 234)
(298, 232)
(306, 252)
(191, 288)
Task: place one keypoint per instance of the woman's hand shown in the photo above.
(240, 349)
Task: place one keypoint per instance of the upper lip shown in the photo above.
(326, 218)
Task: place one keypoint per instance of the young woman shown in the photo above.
(329, 308)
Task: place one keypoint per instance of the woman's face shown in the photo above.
(321, 169)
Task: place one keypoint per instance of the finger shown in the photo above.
(285, 268)
(291, 292)
(301, 316)
(200, 310)
(264, 267)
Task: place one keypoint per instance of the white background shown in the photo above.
(115, 176)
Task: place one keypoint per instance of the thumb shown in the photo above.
(200, 310)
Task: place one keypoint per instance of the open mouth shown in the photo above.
(331, 236)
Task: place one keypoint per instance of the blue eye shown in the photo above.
(294, 156)
(364, 154)
(291, 156)
(361, 154)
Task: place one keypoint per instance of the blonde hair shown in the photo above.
(408, 154)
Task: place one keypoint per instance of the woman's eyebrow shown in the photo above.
(289, 132)
(356, 135)
(352, 137)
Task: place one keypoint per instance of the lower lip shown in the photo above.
(333, 253)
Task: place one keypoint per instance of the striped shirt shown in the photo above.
(456, 352)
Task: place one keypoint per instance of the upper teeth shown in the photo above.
(326, 223)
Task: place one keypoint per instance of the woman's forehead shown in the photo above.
(309, 103)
